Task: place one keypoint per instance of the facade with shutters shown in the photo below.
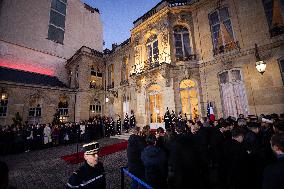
(182, 55)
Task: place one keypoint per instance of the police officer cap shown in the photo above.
(91, 148)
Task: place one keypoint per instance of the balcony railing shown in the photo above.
(226, 48)
(181, 3)
(125, 82)
(110, 86)
(276, 30)
(95, 86)
(191, 57)
(147, 67)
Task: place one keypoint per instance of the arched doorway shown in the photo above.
(189, 98)
(155, 104)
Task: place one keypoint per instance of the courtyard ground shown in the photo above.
(45, 169)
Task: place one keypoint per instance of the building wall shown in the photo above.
(24, 28)
(48, 98)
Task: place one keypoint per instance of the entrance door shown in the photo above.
(189, 99)
(155, 110)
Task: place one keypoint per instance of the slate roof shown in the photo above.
(24, 77)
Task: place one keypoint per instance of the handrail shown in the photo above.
(125, 170)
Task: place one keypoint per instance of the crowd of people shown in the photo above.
(243, 153)
(25, 137)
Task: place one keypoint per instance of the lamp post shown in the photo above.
(259, 64)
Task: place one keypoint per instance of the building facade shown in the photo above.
(36, 40)
(183, 55)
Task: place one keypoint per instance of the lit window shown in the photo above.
(35, 111)
(96, 80)
(63, 111)
(96, 108)
(3, 105)
(57, 20)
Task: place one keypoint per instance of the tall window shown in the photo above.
(96, 108)
(189, 98)
(35, 111)
(96, 80)
(281, 65)
(3, 105)
(233, 92)
(182, 43)
(274, 11)
(63, 111)
(152, 50)
(56, 27)
(222, 31)
(155, 104)
(125, 104)
(124, 69)
(111, 76)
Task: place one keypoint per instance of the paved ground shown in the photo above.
(45, 169)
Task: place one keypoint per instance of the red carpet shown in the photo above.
(74, 158)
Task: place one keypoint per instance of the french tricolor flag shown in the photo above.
(210, 112)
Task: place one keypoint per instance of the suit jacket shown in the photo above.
(273, 175)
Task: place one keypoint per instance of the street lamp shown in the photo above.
(107, 99)
(260, 64)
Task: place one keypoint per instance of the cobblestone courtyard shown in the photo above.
(45, 168)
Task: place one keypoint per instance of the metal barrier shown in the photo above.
(124, 170)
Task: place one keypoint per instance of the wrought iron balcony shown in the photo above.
(176, 3)
(125, 82)
(191, 57)
(95, 86)
(276, 30)
(226, 48)
(110, 86)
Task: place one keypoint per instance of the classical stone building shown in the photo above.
(181, 55)
(36, 40)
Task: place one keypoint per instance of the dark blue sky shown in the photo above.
(118, 16)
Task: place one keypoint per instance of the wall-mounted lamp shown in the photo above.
(259, 64)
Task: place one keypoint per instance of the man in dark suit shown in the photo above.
(136, 145)
(273, 175)
(236, 159)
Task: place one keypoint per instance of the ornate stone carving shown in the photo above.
(136, 39)
(165, 72)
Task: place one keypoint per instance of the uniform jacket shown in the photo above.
(88, 177)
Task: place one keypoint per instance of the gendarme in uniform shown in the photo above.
(91, 174)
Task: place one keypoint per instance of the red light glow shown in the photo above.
(26, 67)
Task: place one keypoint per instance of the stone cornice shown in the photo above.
(84, 51)
(12, 84)
(152, 20)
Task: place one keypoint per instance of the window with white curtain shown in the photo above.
(234, 98)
